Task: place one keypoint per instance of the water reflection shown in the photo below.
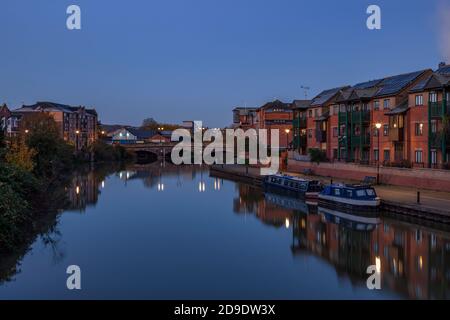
(414, 260)
(413, 257)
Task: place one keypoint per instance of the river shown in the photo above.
(170, 232)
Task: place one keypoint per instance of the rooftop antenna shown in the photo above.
(305, 90)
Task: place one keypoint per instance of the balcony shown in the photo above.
(360, 140)
(342, 117)
(434, 140)
(321, 136)
(360, 116)
(300, 142)
(436, 109)
(299, 123)
(396, 134)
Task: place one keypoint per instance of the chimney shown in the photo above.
(441, 65)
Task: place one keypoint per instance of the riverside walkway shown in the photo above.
(434, 204)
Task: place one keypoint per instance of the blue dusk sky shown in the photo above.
(177, 60)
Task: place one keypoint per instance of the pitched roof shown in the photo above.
(276, 104)
(326, 95)
(141, 134)
(323, 117)
(393, 85)
(301, 104)
(401, 108)
(52, 106)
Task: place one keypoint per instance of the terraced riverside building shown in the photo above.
(412, 111)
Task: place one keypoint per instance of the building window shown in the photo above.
(387, 155)
(433, 126)
(419, 100)
(386, 130)
(376, 154)
(375, 132)
(335, 153)
(419, 129)
(343, 130)
(433, 157)
(335, 132)
(386, 103)
(433, 97)
(336, 109)
(310, 133)
(418, 156)
(310, 113)
(316, 113)
(376, 105)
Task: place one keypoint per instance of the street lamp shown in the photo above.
(77, 142)
(287, 137)
(378, 126)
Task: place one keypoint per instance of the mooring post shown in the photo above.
(418, 197)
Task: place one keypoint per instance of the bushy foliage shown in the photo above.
(20, 155)
(106, 153)
(17, 188)
(317, 155)
(52, 153)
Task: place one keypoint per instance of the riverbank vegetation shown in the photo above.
(32, 166)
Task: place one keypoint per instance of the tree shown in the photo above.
(20, 155)
(43, 136)
(317, 155)
(150, 124)
(2, 145)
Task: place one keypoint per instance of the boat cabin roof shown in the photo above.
(294, 178)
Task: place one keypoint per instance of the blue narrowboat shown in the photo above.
(358, 199)
(301, 187)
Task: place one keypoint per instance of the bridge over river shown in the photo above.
(159, 151)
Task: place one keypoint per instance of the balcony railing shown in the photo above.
(360, 116)
(321, 136)
(300, 123)
(300, 142)
(360, 140)
(434, 140)
(396, 134)
(436, 109)
(342, 117)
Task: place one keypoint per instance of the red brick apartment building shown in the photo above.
(276, 115)
(322, 121)
(412, 111)
(77, 125)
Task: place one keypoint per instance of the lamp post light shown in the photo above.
(77, 142)
(287, 138)
(378, 126)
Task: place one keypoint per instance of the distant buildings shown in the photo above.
(244, 118)
(77, 125)
(132, 135)
(4, 116)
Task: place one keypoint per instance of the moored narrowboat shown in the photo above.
(358, 199)
(301, 187)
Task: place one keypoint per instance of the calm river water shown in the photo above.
(156, 232)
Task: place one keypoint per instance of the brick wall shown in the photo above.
(418, 177)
